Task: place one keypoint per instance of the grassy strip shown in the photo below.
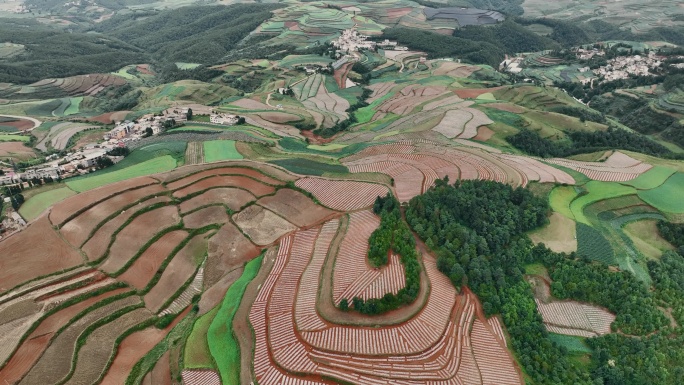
(222, 343)
(152, 166)
(197, 354)
(176, 336)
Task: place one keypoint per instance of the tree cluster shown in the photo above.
(581, 142)
(393, 236)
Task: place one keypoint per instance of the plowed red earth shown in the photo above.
(41, 252)
(144, 268)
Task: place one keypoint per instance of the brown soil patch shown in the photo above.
(34, 252)
(341, 75)
(133, 348)
(144, 268)
(19, 124)
(279, 117)
(179, 270)
(144, 69)
(69, 207)
(228, 250)
(506, 107)
(256, 188)
(240, 171)
(161, 373)
(98, 243)
(558, 235)
(134, 236)
(316, 139)
(100, 347)
(296, 207)
(206, 216)
(16, 150)
(472, 93)
(28, 353)
(55, 363)
(233, 198)
(215, 294)
(251, 104)
(483, 134)
(77, 230)
(268, 169)
(261, 225)
(109, 117)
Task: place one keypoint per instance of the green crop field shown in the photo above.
(13, 138)
(152, 166)
(309, 167)
(34, 206)
(187, 66)
(651, 178)
(593, 245)
(667, 196)
(197, 354)
(597, 191)
(73, 106)
(222, 344)
(217, 150)
(572, 343)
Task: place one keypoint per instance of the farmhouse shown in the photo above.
(224, 119)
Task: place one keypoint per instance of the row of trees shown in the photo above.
(584, 142)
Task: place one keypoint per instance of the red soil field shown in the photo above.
(234, 198)
(109, 117)
(134, 236)
(144, 69)
(472, 93)
(244, 171)
(64, 210)
(161, 373)
(144, 268)
(181, 268)
(133, 348)
(19, 124)
(36, 343)
(343, 195)
(228, 250)
(256, 188)
(267, 169)
(206, 216)
(16, 150)
(341, 75)
(296, 207)
(42, 252)
(98, 243)
(77, 230)
(483, 134)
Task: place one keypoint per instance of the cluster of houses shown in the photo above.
(623, 67)
(71, 164)
(351, 41)
(139, 128)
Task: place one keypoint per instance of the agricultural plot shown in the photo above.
(156, 263)
(575, 319)
(662, 197)
(59, 135)
(307, 345)
(33, 207)
(414, 168)
(194, 154)
(218, 150)
(153, 166)
(617, 168)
